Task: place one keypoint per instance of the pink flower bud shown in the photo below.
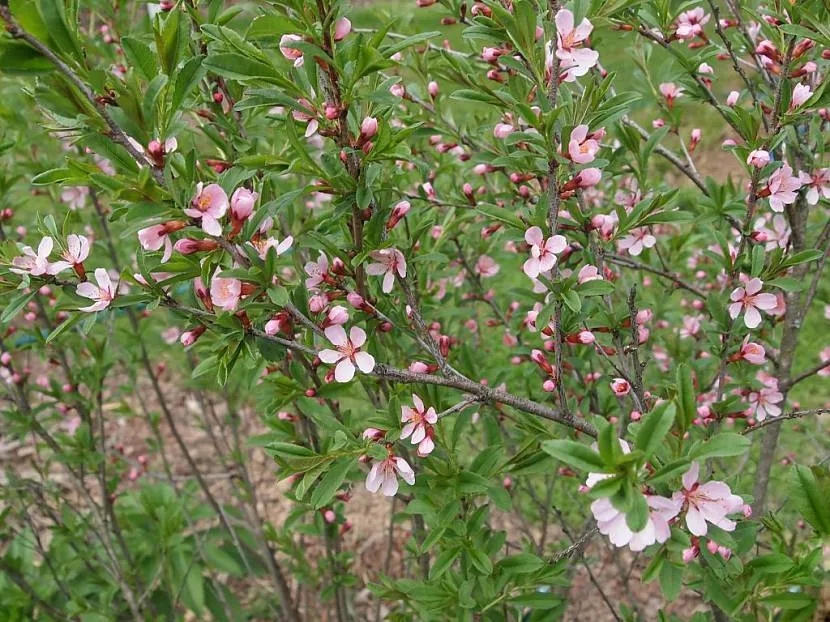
(317, 303)
(712, 547)
(549, 386)
(242, 203)
(356, 300)
(329, 516)
(732, 98)
(747, 510)
(398, 90)
(368, 128)
(342, 28)
(724, 552)
(758, 158)
(418, 367)
(689, 555)
(636, 415)
(503, 130)
(5, 358)
(432, 88)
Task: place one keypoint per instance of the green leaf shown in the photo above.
(141, 56)
(65, 39)
(721, 445)
(443, 562)
(685, 396)
(810, 490)
(327, 488)
(637, 517)
(15, 305)
(502, 214)
(654, 427)
(572, 300)
(596, 288)
(671, 580)
(576, 455)
(238, 67)
(186, 79)
(53, 176)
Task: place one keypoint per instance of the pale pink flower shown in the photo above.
(103, 294)
(486, 267)
(824, 356)
(263, 244)
(818, 185)
(77, 250)
(588, 177)
(337, 315)
(242, 203)
(588, 273)
(801, 93)
(289, 52)
(209, 204)
(782, 188)
(753, 353)
(749, 300)
(732, 98)
(419, 422)
(75, 196)
(389, 261)
(503, 130)
(575, 60)
(764, 403)
(542, 252)
(690, 23)
(582, 148)
(705, 68)
(383, 475)
(710, 502)
(225, 293)
(612, 523)
(31, 262)
(348, 353)
(620, 387)
(636, 240)
(153, 238)
(758, 158)
(691, 326)
(778, 236)
(342, 28)
(317, 271)
(670, 91)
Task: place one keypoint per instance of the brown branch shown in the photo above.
(796, 414)
(632, 263)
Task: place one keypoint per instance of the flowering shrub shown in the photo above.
(483, 275)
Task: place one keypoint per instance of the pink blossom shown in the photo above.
(582, 148)
(368, 127)
(749, 300)
(398, 90)
(705, 68)
(824, 356)
(75, 196)
(732, 98)
(486, 267)
(263, 244)
(225, 293)
(620, 387)
(317, 271)
(542, 252)
(209, 204)
(801, 93)
(337, 315)
(818, 184)
(588, 273)
(242, 203)
(588, 177)
(153, 238)
(289, 52)
(710, 502)
(389, 261)
(690, 23)
(103, 294)
(764, 403)
(778, 236)
(637, 240)
(752, 352)
(503, 130)
(574, 59)
(691, 326)
(419, 422)
(77, 250)
(432, 89)
(383, 475)
(342, 28)
(348, 353)
(782, 187)
(670, 91)
(34, 263)
(612, 523)
(758, 158)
